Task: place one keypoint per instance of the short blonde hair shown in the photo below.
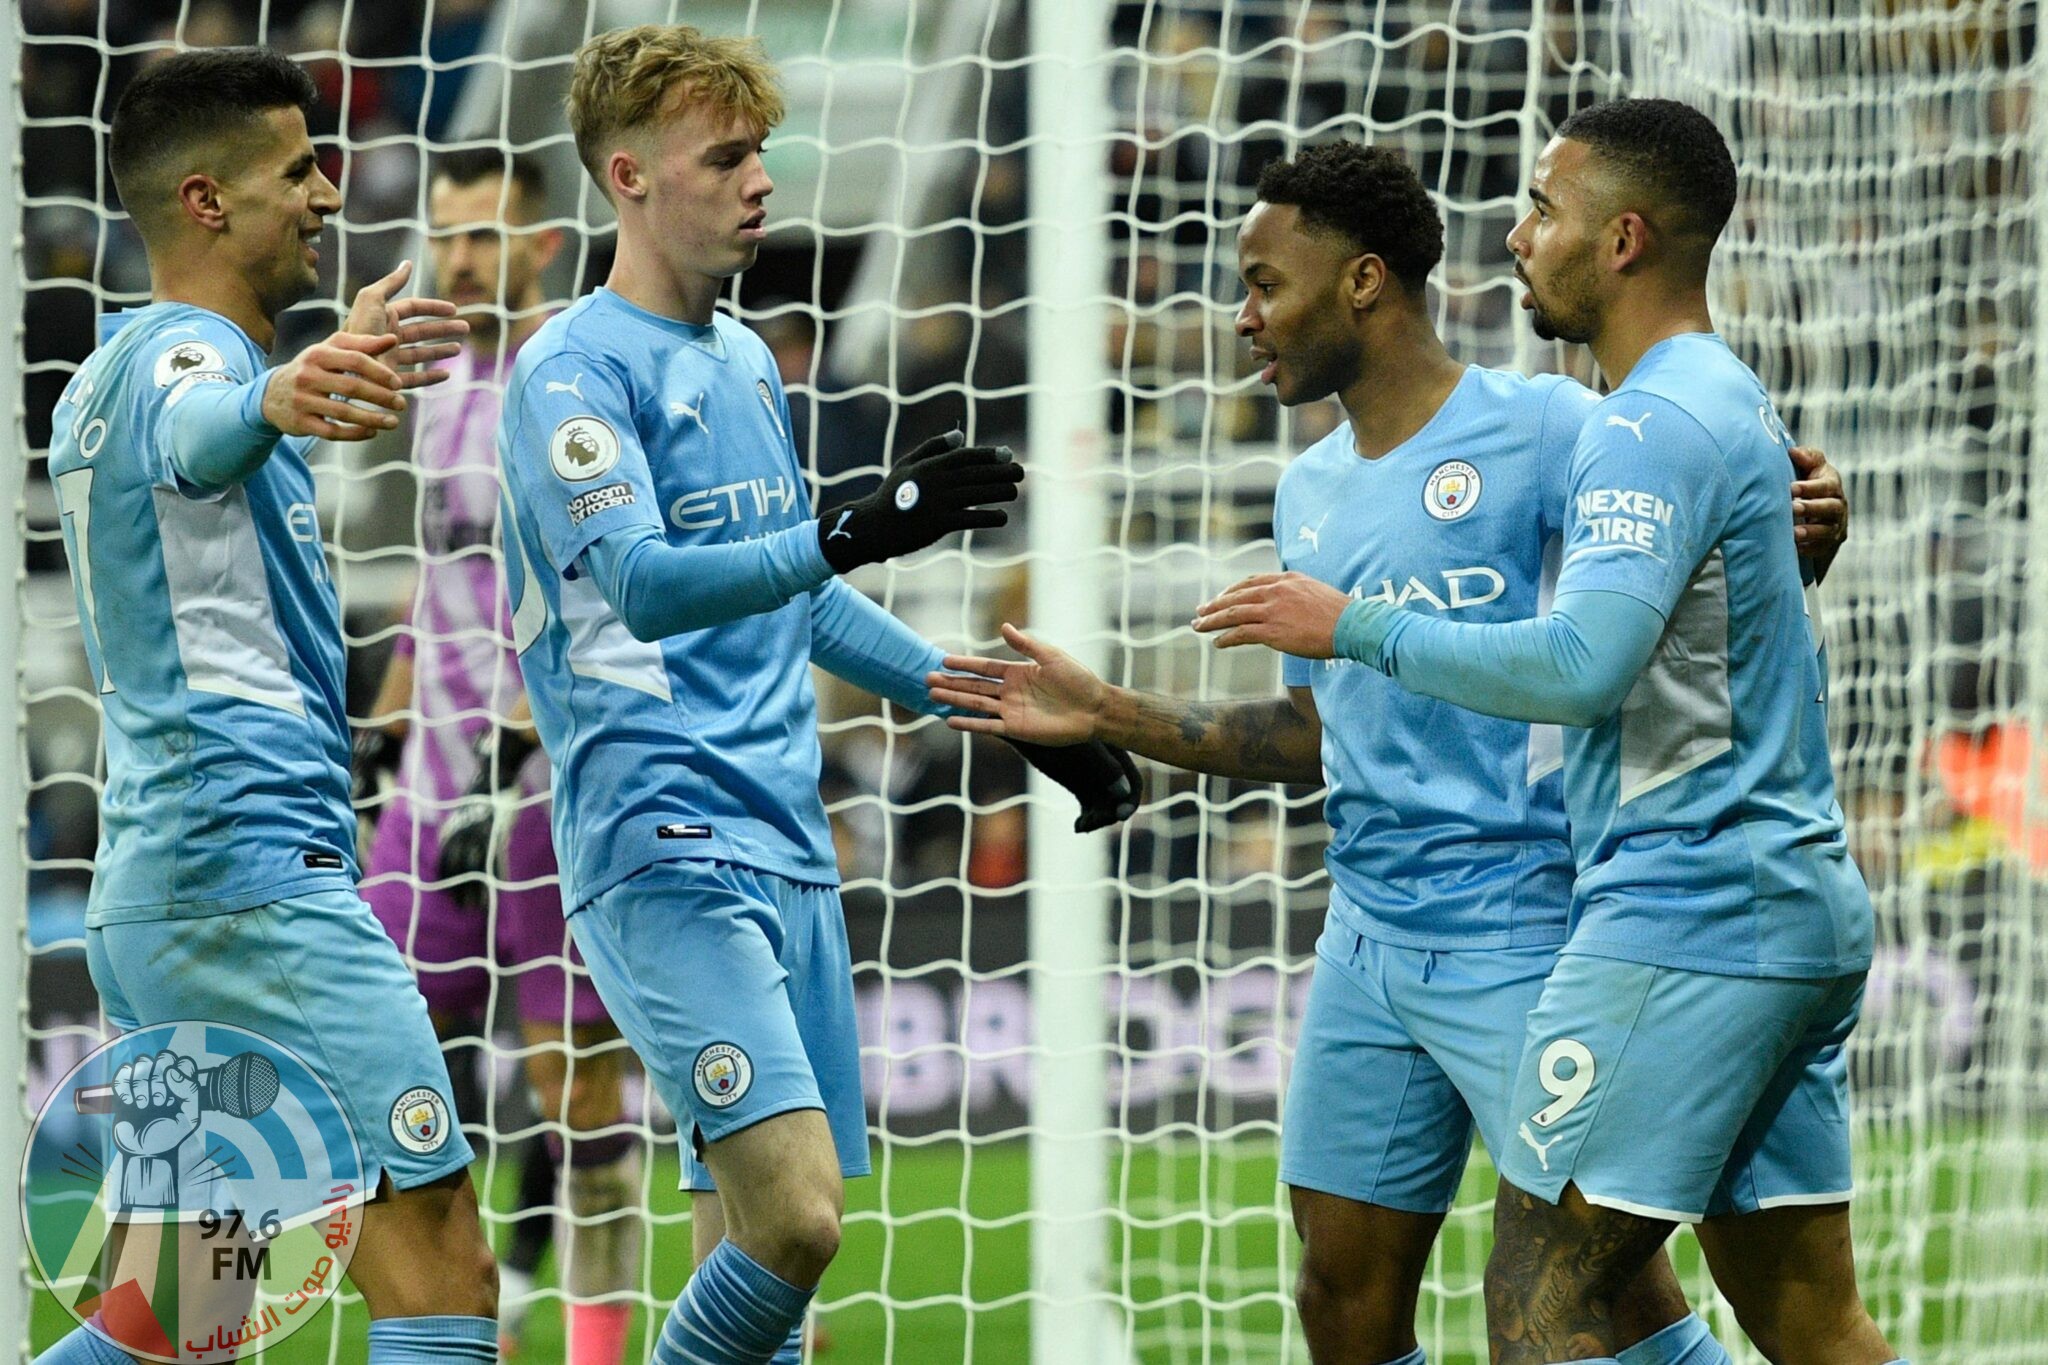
(630, 78)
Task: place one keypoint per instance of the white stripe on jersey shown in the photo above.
(530, 615)
(1546, 742)
(219, 588)
(1679, 714)
(601, 647)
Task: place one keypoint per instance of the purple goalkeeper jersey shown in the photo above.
(465, 674)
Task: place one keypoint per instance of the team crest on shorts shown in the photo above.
(723, 1073)
(1452, 490)
(420, 1121)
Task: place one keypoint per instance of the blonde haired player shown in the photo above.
(670, 591)
(449, 676)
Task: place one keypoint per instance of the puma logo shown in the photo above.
(836, 531)
(694, 413)
(1542, 1148)
(1615, 419)
(570, 387)
(1312, 534)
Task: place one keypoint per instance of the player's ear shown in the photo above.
(1629, 239)
(199, 197)
(628, 181)
(1365, 279)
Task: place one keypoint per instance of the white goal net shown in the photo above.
(1021, 215)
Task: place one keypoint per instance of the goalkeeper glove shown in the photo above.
(1102, 777)
(473, 839)
(371, 754)
(937, 489)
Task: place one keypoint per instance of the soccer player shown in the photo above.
(224, 886)
(1686, 1062)
(1449, 862)
(670, 591)
(450, 674)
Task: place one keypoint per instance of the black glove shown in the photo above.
(371, 753)
(937, 489)
(473, 838)
(1102, 777)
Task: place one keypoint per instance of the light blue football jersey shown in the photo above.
(1703, 813)
(213, 635)
(1447, 827)
(705, 744)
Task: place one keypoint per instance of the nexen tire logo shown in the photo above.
(1462, 588)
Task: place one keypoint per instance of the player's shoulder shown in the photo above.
(1697, 375)
(571, 344)
(1642, 412)
(168, 346)
(1513, 388)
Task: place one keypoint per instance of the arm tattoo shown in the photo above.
(1259, 741)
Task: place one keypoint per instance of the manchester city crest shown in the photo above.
(1452, 490)
(723, 1074)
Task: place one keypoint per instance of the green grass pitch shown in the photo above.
(931, 1287)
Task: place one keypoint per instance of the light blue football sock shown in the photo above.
(428, 1341)
(1414, 1357)
(734, 1311)
(792, 1352)
(83, 1346)
(1685, 1342)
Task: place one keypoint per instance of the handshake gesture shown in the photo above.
(941, 487)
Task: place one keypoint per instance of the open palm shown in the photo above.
(427, 329)
(1049, 698)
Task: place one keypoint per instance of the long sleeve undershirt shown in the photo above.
(216, 433)
(659, 589)
(1574, 666)
(853, 638)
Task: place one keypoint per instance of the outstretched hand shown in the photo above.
(1288, 612)
(426, 329)
(1050, 698)
(339, 389)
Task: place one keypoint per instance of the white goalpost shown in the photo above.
(1020, 215)
(1072, 1317)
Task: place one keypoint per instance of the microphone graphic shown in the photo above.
(241, 1087)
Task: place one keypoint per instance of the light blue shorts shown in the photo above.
(735, 986)
(1681, 1095)
(1402, 1051)
(318, 975)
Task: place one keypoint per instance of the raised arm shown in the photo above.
(221, 426)
(1051, 699)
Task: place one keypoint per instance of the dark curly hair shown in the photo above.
(1370, 196)
(189, 106)
(1669, 150)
